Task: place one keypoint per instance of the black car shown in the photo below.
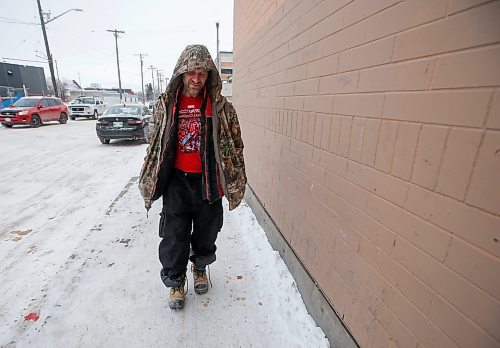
(124, 121)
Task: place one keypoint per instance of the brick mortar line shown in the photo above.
(298, 20)
(394, 148)
(452, 235)
(468, 8)
(344, 27)
(441, 159)
(481, 142)
(396, 177)
(445, 89)
(435, 55)
(448, 8)
(452, 52)
(375, 269)
(377, 144)
(407, 181)
(331, 14)
(387, 201)
(416, 147)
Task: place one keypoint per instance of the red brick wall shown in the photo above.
(372, 137)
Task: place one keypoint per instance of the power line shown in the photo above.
(11, 21)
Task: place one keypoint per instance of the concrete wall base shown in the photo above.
(317, 305)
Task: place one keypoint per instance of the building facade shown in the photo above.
(226, 73)
(226, 65)
(109, 96)
(23, 77)
(372, 137)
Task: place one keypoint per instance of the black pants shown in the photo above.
(188, 227)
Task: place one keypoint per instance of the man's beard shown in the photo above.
(194, 89)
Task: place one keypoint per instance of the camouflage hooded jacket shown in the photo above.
(222, 154)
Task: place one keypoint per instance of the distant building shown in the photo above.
(109, 95)
(227, 89)
(226, 65)
(226, 73)
(29, 79)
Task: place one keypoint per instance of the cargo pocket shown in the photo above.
(162, 223)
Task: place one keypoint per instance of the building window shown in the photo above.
(226, 71)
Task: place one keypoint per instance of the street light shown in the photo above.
(49, 56)
(73, 9)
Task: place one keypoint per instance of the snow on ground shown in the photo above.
(79, 263)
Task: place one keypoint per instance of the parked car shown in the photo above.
(86, 107)
(151, 105)
(34, 111)
(124, 121)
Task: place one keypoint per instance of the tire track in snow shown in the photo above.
(83, 257)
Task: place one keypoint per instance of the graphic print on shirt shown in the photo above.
(189, 129)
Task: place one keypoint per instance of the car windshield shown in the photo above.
(129, 110)
(84, 101)
(26, 102)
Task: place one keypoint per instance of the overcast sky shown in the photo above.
(81, 45)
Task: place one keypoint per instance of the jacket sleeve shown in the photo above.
(231, 153)
(235, 133)
(155, 119)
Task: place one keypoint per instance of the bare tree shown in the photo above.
(149, 91)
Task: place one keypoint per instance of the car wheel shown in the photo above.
(104, 141)
(72, 118)
(63, 119)
(96, 114)
(35, 121)
(8, 125)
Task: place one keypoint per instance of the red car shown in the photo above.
(34, 111)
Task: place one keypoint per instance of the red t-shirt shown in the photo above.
(187, 156)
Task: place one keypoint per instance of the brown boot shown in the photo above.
(176, 295)
(200, 280)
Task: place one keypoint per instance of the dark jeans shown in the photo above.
(188, 227)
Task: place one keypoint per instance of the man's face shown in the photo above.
(194, 81)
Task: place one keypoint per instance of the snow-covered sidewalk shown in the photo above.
(83, 271)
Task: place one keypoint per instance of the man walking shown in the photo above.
(195, 157)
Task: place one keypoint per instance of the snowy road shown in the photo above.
(79, 263)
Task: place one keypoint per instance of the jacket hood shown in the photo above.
(196, 57)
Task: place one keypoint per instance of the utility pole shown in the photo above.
(49, 56)
(158, 74)
(152, 79)
(162, 78)
(115, 33)
(142, 76)
(218, 58)
(59, 81)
